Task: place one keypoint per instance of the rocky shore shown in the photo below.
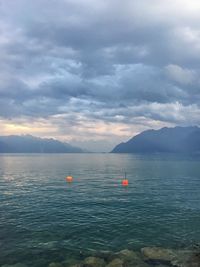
(146, 257)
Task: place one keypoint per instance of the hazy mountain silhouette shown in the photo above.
(168, 140)
(31, 144)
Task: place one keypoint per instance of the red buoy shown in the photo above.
(125, 181)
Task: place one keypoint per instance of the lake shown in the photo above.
(44, 219)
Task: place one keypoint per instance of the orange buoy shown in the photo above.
(125, 181)
(69, 179)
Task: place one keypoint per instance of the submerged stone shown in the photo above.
(158, 254)
(176, 258)
(127, 255)
(71, 262)
(103, 254)
(116, 263)
(186, 258)
(75, 265)
(93, 262)
(131, 258)
(55, 264)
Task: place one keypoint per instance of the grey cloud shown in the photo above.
(106, 60)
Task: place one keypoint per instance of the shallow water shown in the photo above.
(44, 219)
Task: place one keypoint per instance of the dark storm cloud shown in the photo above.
(106, 60)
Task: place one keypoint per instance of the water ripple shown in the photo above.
(40, 212)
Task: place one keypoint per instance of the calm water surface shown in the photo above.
(44, 219)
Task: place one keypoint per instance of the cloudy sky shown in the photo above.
(96, 72)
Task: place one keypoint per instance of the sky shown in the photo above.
(94, 73)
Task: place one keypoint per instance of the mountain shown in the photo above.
(31, 144)
(165, 140)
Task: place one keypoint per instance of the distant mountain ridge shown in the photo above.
(165, 140)
(31, 144)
